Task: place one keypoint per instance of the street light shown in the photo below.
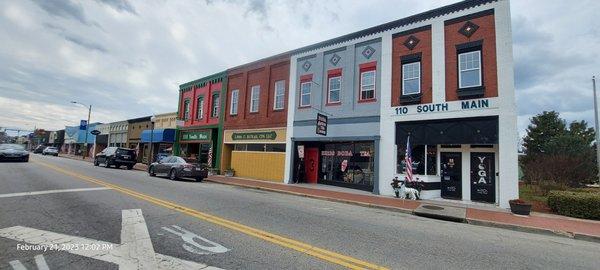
(152, 120)
(87, 125)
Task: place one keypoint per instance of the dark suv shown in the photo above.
(116, 156)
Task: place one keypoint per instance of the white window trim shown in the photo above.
(412, 78)
(186, 109)
(200, 106)
(460, 71)
(329, 90)
(282, 96)
(363, 85)
(254, 97)
(214, 111)
(237, 101)
(307, 94)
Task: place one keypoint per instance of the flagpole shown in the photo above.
(596, 118)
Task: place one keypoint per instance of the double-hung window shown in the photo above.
(200, 107)
(279, 102)
(254, 98)
(334, 87)
(411, 78)
(305, 90)
(368, 76)
(186, 109)
(305, 94)
(233, 107)
(367, 85)
(469, 69)
(216, 105)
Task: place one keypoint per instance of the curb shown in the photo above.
(475, 222)
(391, 208)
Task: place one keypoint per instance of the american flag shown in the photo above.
(408, 161)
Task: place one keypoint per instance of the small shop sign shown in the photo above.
(321, 124)
(249, 136)
(195, 136)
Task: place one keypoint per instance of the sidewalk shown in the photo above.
(475, 214)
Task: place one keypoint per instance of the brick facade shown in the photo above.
(486, 33)
(263, 73)
(423, 47)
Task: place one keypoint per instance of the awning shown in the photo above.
(477, 130)
(159, 135)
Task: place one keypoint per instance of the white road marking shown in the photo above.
(192, 246)
(134, 252)
(40, 262)
(31, 193)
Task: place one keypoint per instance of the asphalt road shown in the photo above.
(148, 222)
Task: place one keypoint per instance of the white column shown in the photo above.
(387, 127)
(289, 152)
(465, 149)
(508, 185)
(438, 61)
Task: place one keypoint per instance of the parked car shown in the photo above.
(50, 150)
(15, 152)
(116, 156)
(176, 167)
(39, 149)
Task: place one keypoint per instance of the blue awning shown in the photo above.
(159, 135)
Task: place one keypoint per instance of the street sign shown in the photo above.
(321, 124)
(95, 132)
(82, 124)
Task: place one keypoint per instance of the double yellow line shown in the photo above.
(326, 255)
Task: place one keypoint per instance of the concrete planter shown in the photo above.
(520, 207)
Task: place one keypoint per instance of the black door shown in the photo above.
(483, 180)
(450, 165)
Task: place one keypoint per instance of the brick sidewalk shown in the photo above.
(537, 222)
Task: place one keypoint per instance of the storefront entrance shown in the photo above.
(483, 175)
(346, 164)
(311, 165)
(451, 175)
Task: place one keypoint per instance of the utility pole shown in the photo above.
(596, 118)
(87, 127)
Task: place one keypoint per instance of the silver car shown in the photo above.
(13, 152)
(50, 150)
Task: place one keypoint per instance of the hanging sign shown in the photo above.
(95, 132)
(321, 124)
(301, 151)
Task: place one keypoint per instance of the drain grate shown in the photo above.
(433, 207)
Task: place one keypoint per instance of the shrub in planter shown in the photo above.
(575, 204)
(520, 207)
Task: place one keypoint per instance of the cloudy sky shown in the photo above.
(127, 58)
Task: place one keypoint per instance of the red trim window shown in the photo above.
(367, 82)
(334, 86)
(305, 91)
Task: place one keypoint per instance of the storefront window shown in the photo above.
(260, 147)
(421, 159)
(349, 163)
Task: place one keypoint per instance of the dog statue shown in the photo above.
(407, 192)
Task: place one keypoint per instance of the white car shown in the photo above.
(50, 150)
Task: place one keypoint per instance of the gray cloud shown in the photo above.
(63, 8)
(119, 5)
(76, 39)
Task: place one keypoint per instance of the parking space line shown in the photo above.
(31, 193)
(326, 255)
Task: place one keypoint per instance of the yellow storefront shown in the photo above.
(255, 153)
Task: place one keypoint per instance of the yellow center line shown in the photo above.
(326, 255)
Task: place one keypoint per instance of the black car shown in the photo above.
(116, 156)
(14, 152)
(176, 167)
(39, 149)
